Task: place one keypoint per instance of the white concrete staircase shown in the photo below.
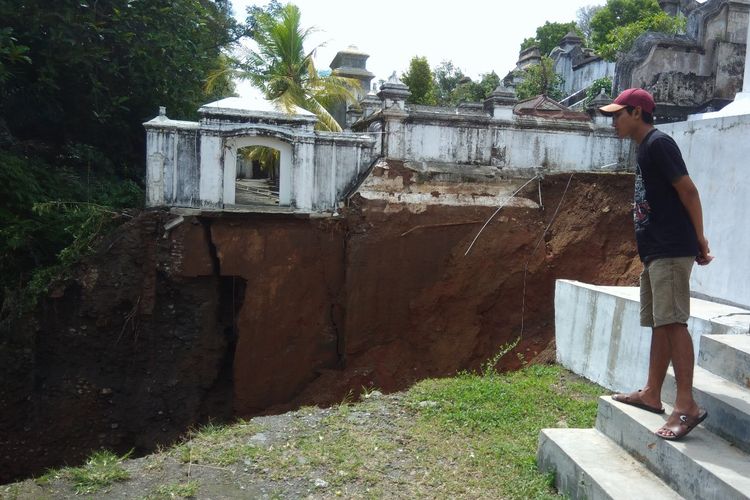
(622, 457)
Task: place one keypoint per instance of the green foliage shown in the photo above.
(45, 225)
(447, 77)
(528, 43)
(453, 87)
(619, 13)
(420, 81)
(540, 79)
(584, 15)
(596, 87)
(91, 72)
(284, 71)
(471, 91)
(10, 53)
(549, 35)
(268, 158)
(76, 83)
(622, 38)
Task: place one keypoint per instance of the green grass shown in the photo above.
(218, 445)
(490, 424)
(469, 436)
(103, 469)
(175, 490)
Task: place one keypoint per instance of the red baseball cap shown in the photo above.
(631, 97)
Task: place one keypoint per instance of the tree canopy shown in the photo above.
(77, 80)
(284, 70)
(540, 79)
(549, 35)
(618, 13)
(584, 15)
(88, 72)
(420, 81)
(616, 25)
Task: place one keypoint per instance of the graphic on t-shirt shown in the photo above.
(641, 207)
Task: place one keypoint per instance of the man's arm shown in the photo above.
(690, 199)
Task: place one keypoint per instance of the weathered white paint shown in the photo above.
(579, 77)
(716, 152)
(524, 142)
(178, 175)
(598, 333)
(211, 192)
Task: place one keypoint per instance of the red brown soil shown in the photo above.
(235, 315)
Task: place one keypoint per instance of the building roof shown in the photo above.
(544, 107)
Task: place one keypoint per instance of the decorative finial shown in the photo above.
(393, 78)
(163, 111)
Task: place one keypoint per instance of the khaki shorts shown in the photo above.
(665, 291)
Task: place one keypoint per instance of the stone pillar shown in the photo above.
(593, 109)
(746, 78)
(570, 41)
(500, 103)
(212, 188)
(369, 104)
(353, 113)
(302, 174)
(350, 63)
(528, 57)
(394, 94)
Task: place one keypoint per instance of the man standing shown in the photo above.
(669, 234)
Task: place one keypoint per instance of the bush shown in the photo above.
(51, 217)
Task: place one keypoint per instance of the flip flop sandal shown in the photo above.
(685, 425)
(632, 400)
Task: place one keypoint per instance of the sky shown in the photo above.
(477, 36)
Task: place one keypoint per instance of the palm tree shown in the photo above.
(285, 73)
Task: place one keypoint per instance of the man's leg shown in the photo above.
(671, 313)
(659, 356)
(658, 363)
(683, 362)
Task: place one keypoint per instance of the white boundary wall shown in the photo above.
(717, 154)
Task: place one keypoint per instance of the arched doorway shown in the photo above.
(247, 160)
(257, 178)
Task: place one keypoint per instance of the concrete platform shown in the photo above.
(598, 332)
(588, 465)
(701, 466)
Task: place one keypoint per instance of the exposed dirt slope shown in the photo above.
(244, 314)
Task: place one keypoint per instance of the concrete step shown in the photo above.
(727, 356)
(587, 464)
(727, 403)
(701, 466)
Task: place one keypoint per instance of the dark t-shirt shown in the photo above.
(662, 225)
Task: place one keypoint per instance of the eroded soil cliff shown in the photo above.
(239, 314)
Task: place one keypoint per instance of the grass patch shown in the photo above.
(102, 470)
(175, 490)
(490, 424)
(218, 445)
(470, 436)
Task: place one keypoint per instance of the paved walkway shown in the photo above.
(256, 192)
